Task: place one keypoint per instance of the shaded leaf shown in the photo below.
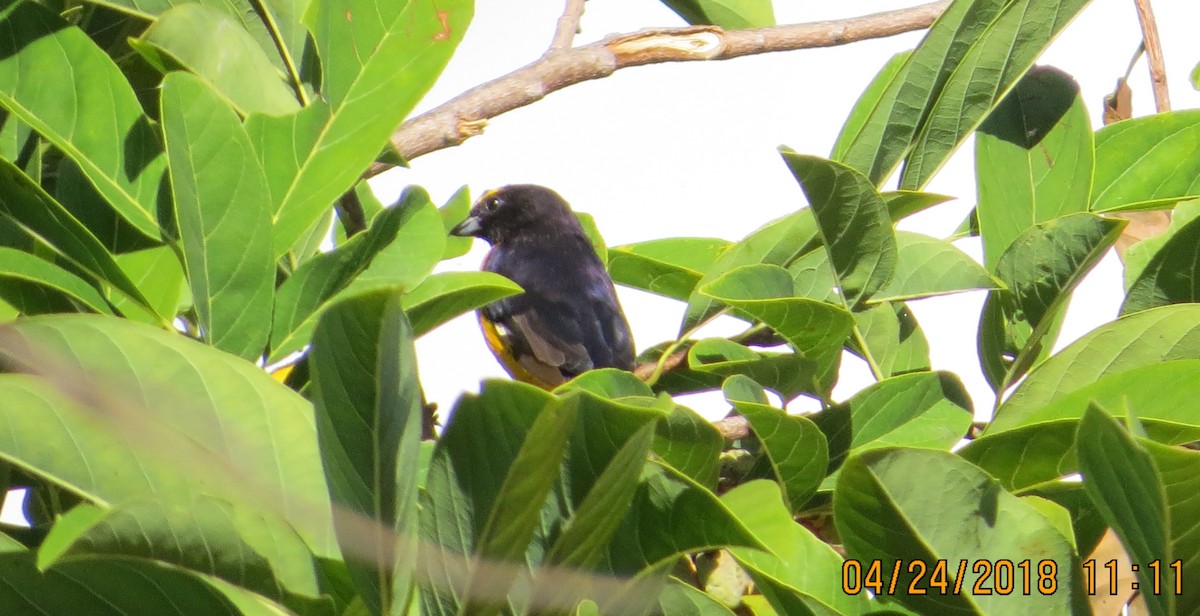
(1169, 276)
(25, 269)
(445, 295)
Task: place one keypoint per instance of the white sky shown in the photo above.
(690, 150)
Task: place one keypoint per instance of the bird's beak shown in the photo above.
(467, 228)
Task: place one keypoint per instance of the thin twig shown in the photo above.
(1154, 54)
(568, 26)
(465, 116)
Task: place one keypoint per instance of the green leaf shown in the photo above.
(1168, 277)
(1040, 268)
(775, 243)
(1195, 78)
(158, 274)
(690, 444)
(112, 586)
(376, 66)
(787, 374)
(680, 599)
(853, 221)
(164, 415)
(25, 269)
(445, 295)
(107, 135)
(411, 224)
(794, 445)
(798, 563)
(893, 337)
(670, 267)
(919, 505)
(927, 266)
(43, 219)
(1141, 339)
(368, 405)
(1138, 256)
(904, 203)
(1033, 159)
(989, 68)
(212, 44)
(868, 103)
(1122, 479)
(764, 293)
(200, 534)
(455, 210)
(1147, 160)
(222, 211)
(728, 14)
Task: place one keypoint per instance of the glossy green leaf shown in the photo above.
(411, 223)
(1141, 339)
(24, 268)
(1033, 159)
(164, 415)
(1169, 276)
(108, 136)
(1145, 492)
(368, 406)
(670, 267)
(109, 586)
(776, 243)
(1147, 160)
(1040, 268)
(40, 217)
(211, 43)
(376, 67)
(989, 67)
(728, 14)
(912, 504)
(220, 196)
(927, 266)
(764, 293)
(853, 221)
(201, 534)
(445, 295)
(794, 445)
(798, 563)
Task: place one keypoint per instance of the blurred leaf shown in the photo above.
(927, 266)
(1146, 492)
(680, 599)
(119, 150)
(764, 293)
(1041, 269)
(253, 437)
(690, 444)
(199, 534)
(1195, 78)
(924, 108)
(1169, 276)
(221, 208)
(1033, 159)
(20, 267)
(795, 446)
(114, 586)
(588, 223)
(368, 407)
(853, 222)
(776, 243)
(445, 295)
(412, 223)
(455, 210)
(209, 42)
(376, 67)
(608, 383)
(39, 216)
(670, 267)
(912, 505)
(798, 562)
(728, 14)
(1147, 161)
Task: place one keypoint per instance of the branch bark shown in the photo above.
(1154, 54)
(466, 115)
(568, 25)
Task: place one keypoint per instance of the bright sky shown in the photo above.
(690, 150)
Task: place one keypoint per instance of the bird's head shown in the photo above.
(526, 208)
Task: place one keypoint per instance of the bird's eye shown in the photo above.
(491, 205)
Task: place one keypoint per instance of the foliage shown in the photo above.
(164, 200)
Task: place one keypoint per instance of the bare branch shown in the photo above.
(568, 25)
(465, 116)
(1154, 54)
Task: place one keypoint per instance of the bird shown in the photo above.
(567, 320)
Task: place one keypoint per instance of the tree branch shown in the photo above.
(1154, 54)
(465, 116)
(568, 25)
